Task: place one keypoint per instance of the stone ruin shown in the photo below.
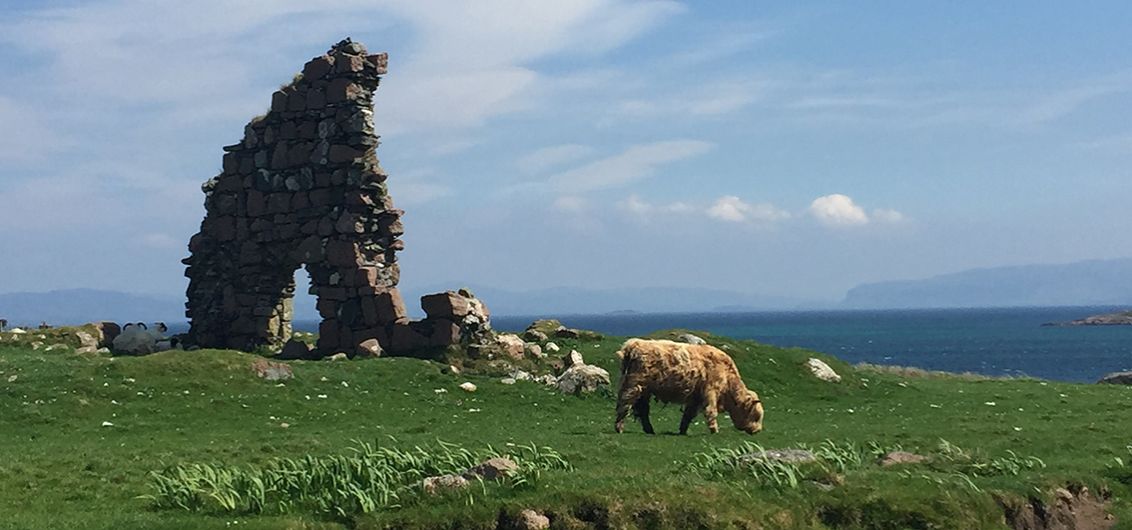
(304, 189)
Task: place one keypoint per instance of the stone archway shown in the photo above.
(302, 189)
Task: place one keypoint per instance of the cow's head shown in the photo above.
(748, 412)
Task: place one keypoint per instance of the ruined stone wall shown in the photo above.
(303, 188)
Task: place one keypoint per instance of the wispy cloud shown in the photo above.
(553, 156)
(633, 164)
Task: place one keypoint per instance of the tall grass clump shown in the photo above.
(751, 460)
(975, 464)
(366, 479)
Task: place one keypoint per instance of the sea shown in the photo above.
(995, 342)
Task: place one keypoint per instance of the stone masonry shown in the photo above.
(304, 188)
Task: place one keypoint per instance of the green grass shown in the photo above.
(202, 412)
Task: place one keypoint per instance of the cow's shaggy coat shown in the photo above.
(701, 377)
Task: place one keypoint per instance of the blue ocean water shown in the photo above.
(987, 341)
(997, 342)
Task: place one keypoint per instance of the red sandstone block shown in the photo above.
(447, 305)
(257, 204)
(345, 64)
(380, 62)
(336, 294)
(444, 332)
(342, 154)
(405, 339)
(342, 253)
(342, 89)
(318, 67)
(231, 163)
(278, 101)
(369, 311)
(390, 306)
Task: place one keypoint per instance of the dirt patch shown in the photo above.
(1073, 507)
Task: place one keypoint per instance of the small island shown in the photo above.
(1111, 319)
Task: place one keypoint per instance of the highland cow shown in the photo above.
(701, 377)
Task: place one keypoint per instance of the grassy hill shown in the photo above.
(1009, 443)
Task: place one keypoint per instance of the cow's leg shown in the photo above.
(711, 412)
(628, 395)
(691, 408)
(641, 411)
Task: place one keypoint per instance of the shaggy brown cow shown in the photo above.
(701, 377)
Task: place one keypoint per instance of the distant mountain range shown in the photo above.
(1084, 283)
(580, 300)
(1099, 283)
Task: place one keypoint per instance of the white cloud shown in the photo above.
(733, 209)
(838, 210)
(549, 157)
(636, 206)
(633, 164)
(884, 215)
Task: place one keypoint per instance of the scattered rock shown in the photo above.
(691, 339)
(295, 349)
(135, 340)
(822, 371)
(107, 331)
(511, 345)
(86, 340)
(272, 371)
(369, 349)
(54, 347)
(895, 458)
(468, 387)
(520, 375)
(564, 332)
(552, 347)
(507, 380)
(1116, 378)
(546, 379)
(442, 483)
(531, 520)
(534, 351)
(453, 369)
(786, 456)
(492, 469)
(13, 378)
(582, 379)
(17, 331)
(107, 424)
(534, 335)
(573, 359)
(340, 356)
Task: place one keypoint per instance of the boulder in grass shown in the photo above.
(582, 379)
(492, 469)
(271, 370)
(822, 371)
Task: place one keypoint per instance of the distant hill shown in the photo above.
(1097, 282)
(78, 306)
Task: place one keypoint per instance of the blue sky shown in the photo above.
(788, 149)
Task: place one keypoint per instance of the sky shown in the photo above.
(778, 148)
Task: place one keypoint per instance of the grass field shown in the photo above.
(60, 467)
